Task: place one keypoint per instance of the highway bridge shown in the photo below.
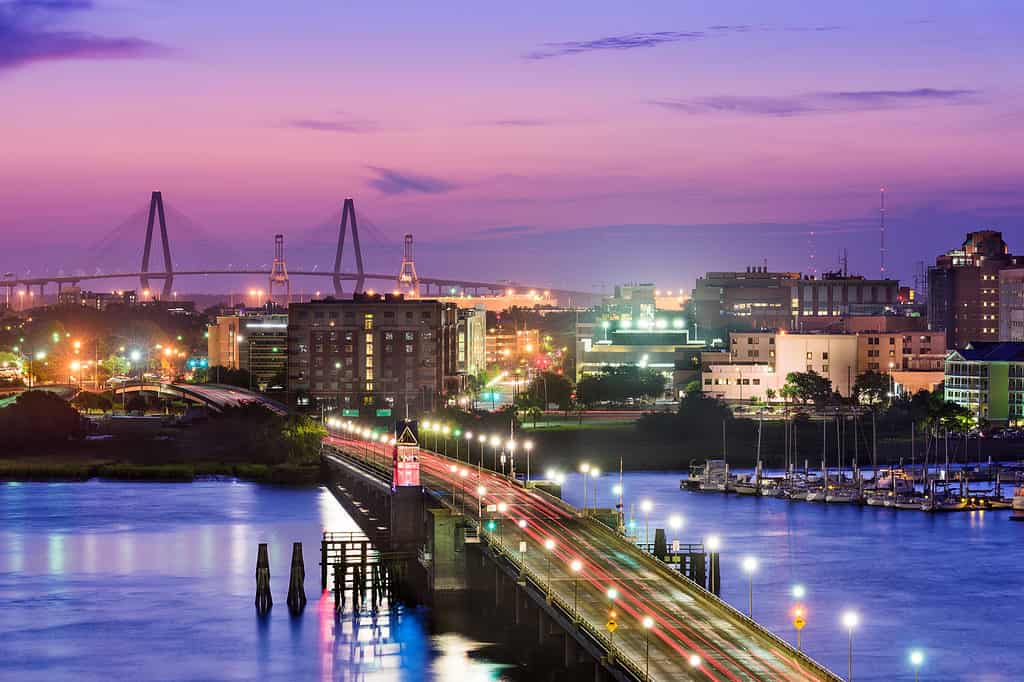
(576, 571)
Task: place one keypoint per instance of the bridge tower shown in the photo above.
(156, 210)
(279, 271)
(408, 280)
(348, 220)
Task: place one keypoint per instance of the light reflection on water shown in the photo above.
(110, 580)
(946, 583)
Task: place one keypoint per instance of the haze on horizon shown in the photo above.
(576, 144)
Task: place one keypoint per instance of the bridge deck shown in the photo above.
(687, 619)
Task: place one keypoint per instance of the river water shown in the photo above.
(111, 580)
(946, 584)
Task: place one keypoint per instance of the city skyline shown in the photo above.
(514, 132)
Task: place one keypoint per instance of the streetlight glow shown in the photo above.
(675, 521)
(612, 593)
(648, 622)
(851, 619)
(749, 564)
(646, 506)
(799, 592)
(713, 543)
(695, 661)
(576, 565)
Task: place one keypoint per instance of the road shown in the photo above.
(687, 621)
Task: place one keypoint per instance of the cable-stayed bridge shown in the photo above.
(157, 264)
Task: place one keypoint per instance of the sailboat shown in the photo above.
(750, 484)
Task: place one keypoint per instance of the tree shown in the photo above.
(769, 394)
(115, 365)
(40, 416)
(871, 387)
(552, 387)
(87, 400)
(809, 387)
(619, 383)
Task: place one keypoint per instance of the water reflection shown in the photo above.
(108, 580)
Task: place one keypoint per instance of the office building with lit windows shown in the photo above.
(964, 289)
(371, 355)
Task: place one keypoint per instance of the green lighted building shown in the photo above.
(987, 377)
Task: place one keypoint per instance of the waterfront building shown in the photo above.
(634, 303)
(759, 361)
(963, 288)
(371, 354)
(988, 379)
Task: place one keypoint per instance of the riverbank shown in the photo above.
(55, 469)
(145, 460)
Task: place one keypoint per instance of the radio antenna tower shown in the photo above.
(279, 271)
(408, 280)
(881, 213)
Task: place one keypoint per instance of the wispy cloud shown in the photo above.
(819, 102)
(392, 181)
(632, 41)
(518, 122)
(30, 32)
(627, 41)
(336, 125)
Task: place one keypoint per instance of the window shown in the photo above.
(757, 382)
(408, 348)
(824, 368)
(809, 355)
(824, 356)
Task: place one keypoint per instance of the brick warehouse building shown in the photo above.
(372, 355)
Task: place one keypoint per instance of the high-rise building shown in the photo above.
(1011, 304)
(372, 354)
(963, 288)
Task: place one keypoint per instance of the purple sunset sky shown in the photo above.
(575, 143)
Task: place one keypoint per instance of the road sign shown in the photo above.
(350, 413)
(799, 623)
(522, 548)
(611, 625)
(492, 507)
(386, 412)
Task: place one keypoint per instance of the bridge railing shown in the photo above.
(680, 580)
(594, 631)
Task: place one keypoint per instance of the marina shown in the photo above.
(943, 480)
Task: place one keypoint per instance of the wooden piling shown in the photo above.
(297, 582)
(263, 599)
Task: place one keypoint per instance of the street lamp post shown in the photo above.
(502, 508)
(648, 623)
(584, 469)
(495, 442)
(482, 439)
(462, 489)
(645, 507)
(528, 446)
(916, 659)
(511, 447)
(750, 568)
(480, 492)
(850, 621)
(594, 473)
(549, 545)
(576, 567)
(713, 543)
(612, 594)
